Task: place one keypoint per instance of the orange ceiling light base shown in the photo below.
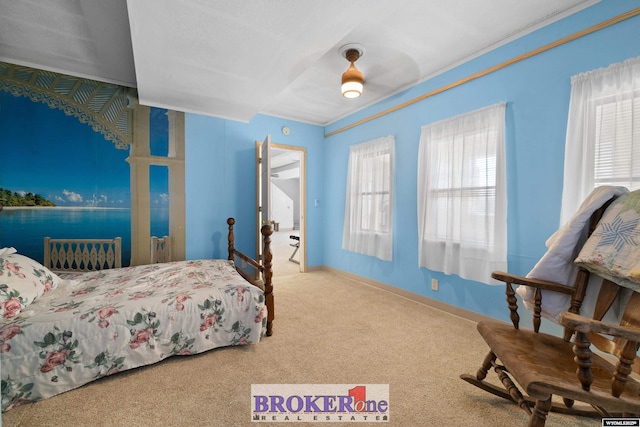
(352, 79)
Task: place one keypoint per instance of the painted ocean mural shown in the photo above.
(26, 227)
(47, 157)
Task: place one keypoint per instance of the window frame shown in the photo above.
(462, 166)
(590, 91)
(368, 229)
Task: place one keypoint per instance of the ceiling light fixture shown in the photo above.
(352, 80)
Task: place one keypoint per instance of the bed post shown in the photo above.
(267, 256)
(231, 238)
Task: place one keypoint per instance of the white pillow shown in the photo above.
(22, 280)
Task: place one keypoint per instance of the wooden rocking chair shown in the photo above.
(534, 366)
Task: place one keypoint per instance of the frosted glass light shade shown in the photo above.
(352, 89)
(352, 82)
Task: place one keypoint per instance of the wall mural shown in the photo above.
(59, 178)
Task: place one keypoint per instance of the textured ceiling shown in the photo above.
(234, 59)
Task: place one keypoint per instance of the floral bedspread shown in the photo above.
(99, 323)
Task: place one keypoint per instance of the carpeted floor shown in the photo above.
(328, 330)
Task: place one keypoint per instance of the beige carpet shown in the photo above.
(328, 330)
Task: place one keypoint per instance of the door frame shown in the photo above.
(303, 200)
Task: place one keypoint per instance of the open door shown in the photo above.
(275, 162)
(264, 189)
(265, 161)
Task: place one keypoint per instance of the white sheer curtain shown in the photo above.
(368, 215)
(462, 195)
(603, 133)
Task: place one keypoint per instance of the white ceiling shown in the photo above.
(285, 164)
(234, 59)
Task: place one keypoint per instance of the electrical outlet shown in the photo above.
(434, 284)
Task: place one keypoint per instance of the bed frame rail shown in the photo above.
(265, 283)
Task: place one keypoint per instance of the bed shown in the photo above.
(59, 332)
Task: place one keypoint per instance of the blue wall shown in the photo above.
(220, 155)
(537, 93)
(221, 181)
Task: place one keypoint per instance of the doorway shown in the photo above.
(286, 205)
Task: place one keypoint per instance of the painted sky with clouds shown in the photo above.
(67, 162)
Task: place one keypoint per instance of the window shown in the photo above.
(368, 219)
(462, 206)
(603, 133)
